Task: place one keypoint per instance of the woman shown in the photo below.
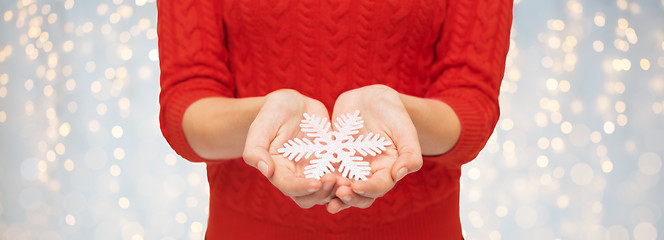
(237, 77)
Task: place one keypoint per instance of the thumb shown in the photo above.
(409, 154)
(407, 162)
(260, 159)
(256, 148)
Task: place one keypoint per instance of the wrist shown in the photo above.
(214, 125)
(437, 124)
(288, 101)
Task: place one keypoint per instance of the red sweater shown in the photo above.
(453, 51)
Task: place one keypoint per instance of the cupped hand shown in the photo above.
(383, 113)
(277, 122)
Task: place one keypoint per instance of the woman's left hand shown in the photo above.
(383, 113)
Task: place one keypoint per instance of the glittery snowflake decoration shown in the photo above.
(334, 146)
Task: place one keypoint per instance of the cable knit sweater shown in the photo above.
(450, 50)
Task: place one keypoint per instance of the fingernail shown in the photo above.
(312, 190)
(262, 166)
(401, 173)
(346, 199)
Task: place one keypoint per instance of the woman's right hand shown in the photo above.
(277, 122)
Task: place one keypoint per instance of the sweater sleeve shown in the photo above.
(193, 61)
(468, 69)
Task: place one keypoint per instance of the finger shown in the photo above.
(336, 206)
(342, 181)
(376, 186)
(257, 145)
(322, 196)
(290, 185)
(350, 198)
(302, 204)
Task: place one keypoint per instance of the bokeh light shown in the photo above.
(581, 127)
(81, 155)
(576, 154)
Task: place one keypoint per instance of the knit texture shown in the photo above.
(453, 51)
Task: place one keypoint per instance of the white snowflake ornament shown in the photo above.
(334, 146)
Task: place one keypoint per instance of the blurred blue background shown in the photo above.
(577, 153)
